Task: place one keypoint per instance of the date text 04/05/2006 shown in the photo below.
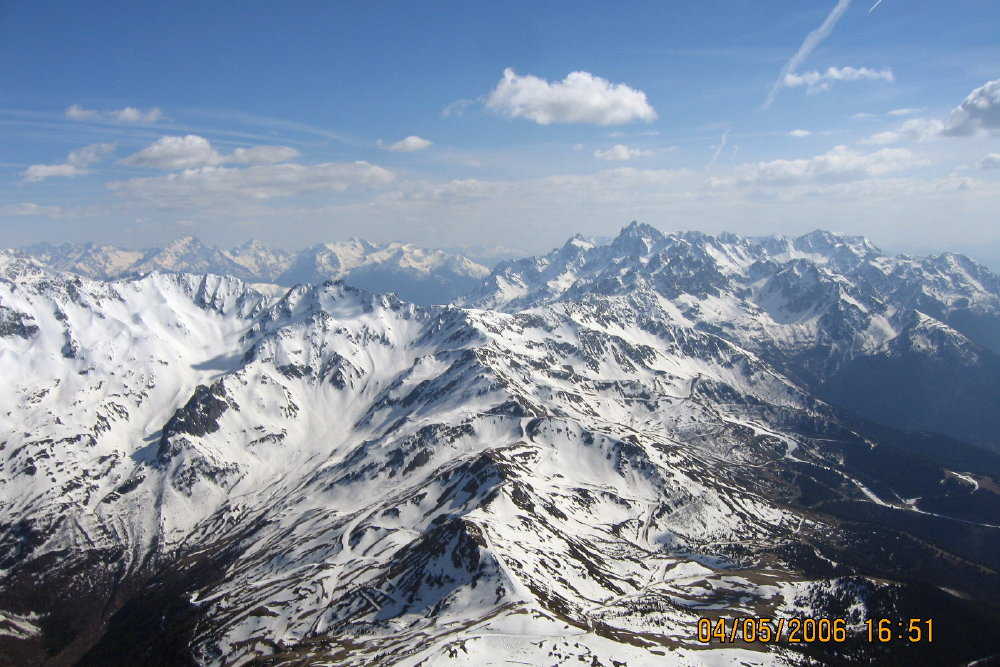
(811, 630)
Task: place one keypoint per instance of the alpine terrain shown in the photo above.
(571, 463)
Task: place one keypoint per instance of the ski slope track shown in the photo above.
(572, 465)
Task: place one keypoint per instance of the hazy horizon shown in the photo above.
(484, 254)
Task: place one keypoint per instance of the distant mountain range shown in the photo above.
(572, 462)
(416, 274)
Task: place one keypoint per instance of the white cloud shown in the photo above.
(991, 161)
(176, 153)
(133, 115)
(579, 98)
(457, 108)
(76, 163)
(841, 164)
(408, 145)
(209, 186)
(620, 153)
(721, 146)
(979, 111)
(915, 129)
(126, 115)
(88, 155)
(895, 113)
(190, 151)
(39, 172)
(262, 155)
(798, 134)
(619, 185)
(809, 44)
(816, 81)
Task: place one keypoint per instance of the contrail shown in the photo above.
(718, 150)
(809, 44)
(877, 3)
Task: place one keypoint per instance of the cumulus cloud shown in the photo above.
(190, 151)
(579, 98)
(75, 165)
(620, 153)
(408, 145)
(816, 81)
(840, 164)
(215, 185)
(126, 115)
(991, 161)
(809, 44)
(979, 111)
(915, 129)
(798, 134)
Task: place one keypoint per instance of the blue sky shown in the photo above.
(514, 124)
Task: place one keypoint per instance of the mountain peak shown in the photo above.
(636, 229)
(637, 238)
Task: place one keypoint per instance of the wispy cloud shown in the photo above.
(809, 44)
(458, 107)
(840, 164)
(192, 150)
(915, 129)
(621, 153)
(212, 187)
(579, 98)
(126, 115)
(991, 161)
(875, 6)
(718, 149)
(816, 81)
(75, 165)
(909, 111)
(30, 209)
(407, 145)
(644, 133)
(799, 134)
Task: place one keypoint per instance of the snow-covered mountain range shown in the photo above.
(570, 465)
(832, 312)
(415, 274)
